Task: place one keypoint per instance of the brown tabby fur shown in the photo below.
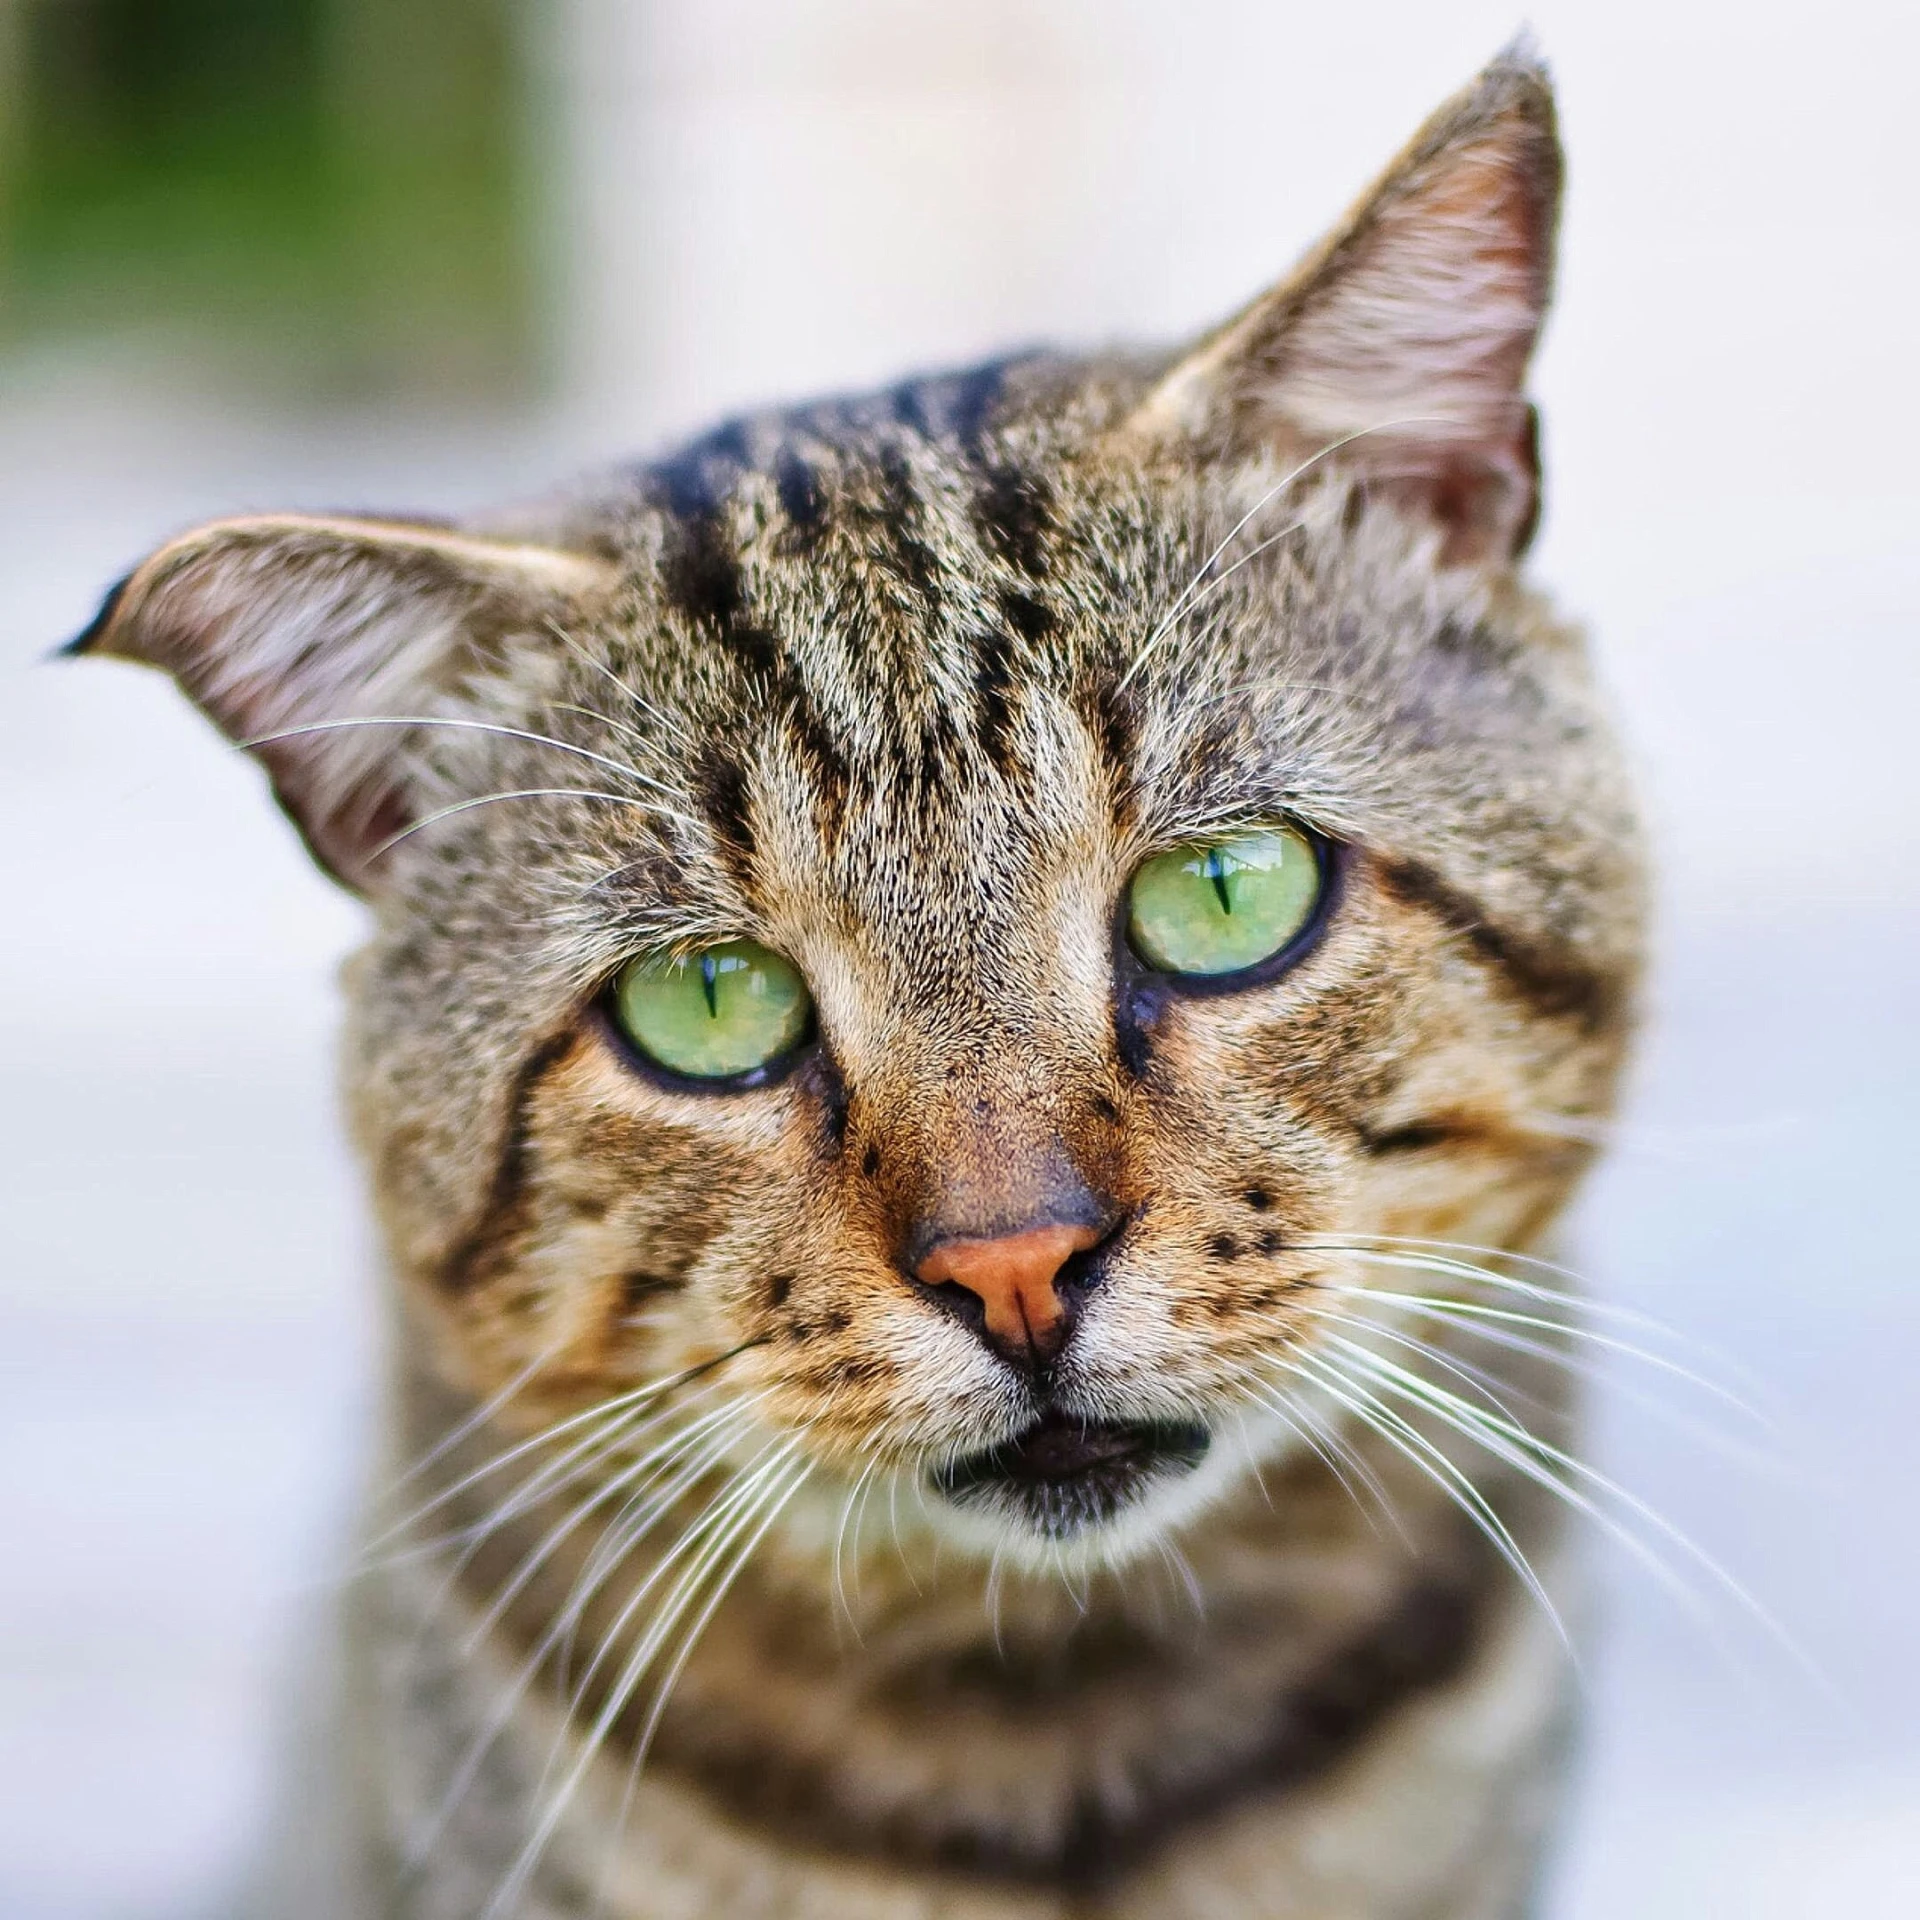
(907, 688)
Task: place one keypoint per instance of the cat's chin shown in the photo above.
(1063, 1479)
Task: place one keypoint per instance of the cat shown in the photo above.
(981, 1001)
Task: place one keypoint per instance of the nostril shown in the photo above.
(963, 1303)
(1026, 1287)
(1086, 1267)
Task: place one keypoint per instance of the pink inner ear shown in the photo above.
(1485, 498)
(1430, 321)
(1402, 347)
(281, 628)
(276, 639)
(346, 826)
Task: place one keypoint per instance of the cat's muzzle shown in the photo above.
(1063, 1474)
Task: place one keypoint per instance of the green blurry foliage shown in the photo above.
(339, 192)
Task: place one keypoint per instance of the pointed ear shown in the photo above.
(282, 623)
(1402, 342)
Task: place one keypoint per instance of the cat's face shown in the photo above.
(963, 923)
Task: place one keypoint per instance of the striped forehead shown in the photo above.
(896, 646)
(872, 557)
(896, 705)
(875, 611)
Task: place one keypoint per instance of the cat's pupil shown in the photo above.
(1217, 873)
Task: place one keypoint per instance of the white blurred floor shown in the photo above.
(184, 1311)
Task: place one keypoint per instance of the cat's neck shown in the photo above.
(860, 1692)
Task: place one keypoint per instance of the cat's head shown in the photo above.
(961, 924)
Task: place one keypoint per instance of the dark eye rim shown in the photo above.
(1140, 989)
(603, 1012)
(1138, 980)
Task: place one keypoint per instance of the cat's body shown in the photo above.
(1347, 1735)
(1004, 1457)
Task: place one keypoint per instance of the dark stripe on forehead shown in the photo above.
(1112, 715)
(821, 748)
(954, 407)
(931, 763)
(802, 498)
(1004, 657)
(955, 410)
(903, 512)
(720, 786)
(698, 480)
(703, 581)
(1013, 514)
(1026, 616)
(993, 679)
(1553, 980)
(701, 575)
(701, 572)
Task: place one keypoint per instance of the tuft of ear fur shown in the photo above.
(1401, 343)
(279, 627)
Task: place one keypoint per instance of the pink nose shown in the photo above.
(1013, 1277)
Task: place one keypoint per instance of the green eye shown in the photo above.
(715, 1014)
(1222, 905)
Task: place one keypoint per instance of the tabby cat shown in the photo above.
(981, 1000)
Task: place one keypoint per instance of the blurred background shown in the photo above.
(424, 253)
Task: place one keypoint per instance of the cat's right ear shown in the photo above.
(280, 627)
(1400, 346)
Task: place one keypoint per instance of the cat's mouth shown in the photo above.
(1062, 1474)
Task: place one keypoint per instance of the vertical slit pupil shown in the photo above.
(709, 973)
(1216, 871)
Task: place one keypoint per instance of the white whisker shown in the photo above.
(1441, 1257)
(720, 1522)
(839, 1541)
(1568, 1328)
(668, 725)
(669, 1458)
(1459, 1486)
(479, 1417)
(626, 1532)
(1536, 1458)
(1182, 1569)
(1280, 486)
(467, 726)
(535, 793)
(772, 1504)
(1334, 1453)
(599, 1411)
(526, 1497)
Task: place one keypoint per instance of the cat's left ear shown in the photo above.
(283, 627)
(1400, 346)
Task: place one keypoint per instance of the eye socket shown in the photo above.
(1221, 906)
(715, 1014)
